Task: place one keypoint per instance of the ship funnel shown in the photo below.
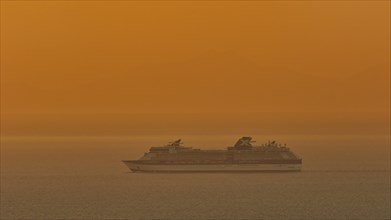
(175, 143)
(244, 142)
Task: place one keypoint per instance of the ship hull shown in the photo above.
(253, 167)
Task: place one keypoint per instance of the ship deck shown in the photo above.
(204, 162)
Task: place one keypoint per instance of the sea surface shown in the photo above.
(343, 177)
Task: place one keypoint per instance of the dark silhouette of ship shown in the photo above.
(242, 157)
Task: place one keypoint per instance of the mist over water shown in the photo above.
(86, 84)
(83, 177)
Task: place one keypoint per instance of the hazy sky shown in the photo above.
(132, 67)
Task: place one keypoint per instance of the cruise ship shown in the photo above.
(242, 157)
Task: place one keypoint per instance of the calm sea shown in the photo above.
(343, 177)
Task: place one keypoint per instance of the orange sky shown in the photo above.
(132, 67)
